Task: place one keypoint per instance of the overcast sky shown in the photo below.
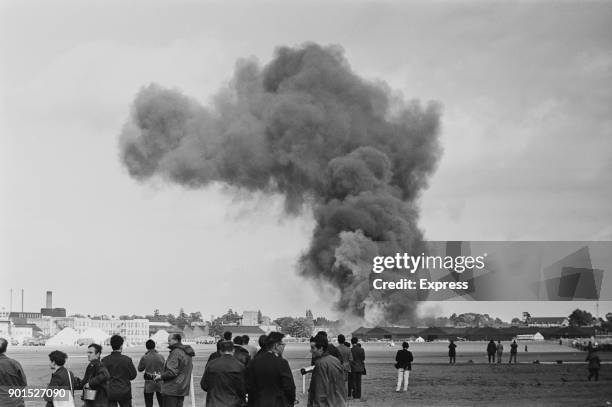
(527, 137)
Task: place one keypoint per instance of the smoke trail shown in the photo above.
(307, 127)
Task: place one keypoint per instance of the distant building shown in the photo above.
(250, 318)
(24, 315)
(53, 312)
(133, 330)
(547, 322)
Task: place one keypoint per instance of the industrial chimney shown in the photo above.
(49, 299)
(22, 291)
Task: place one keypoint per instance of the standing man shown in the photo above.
(491, 349)
(250, 348)
(11, 375)
(176, 375)
(513, 351)
(357, 367)
(500, 351)
(452, 352)
(347, 357)
(122, 371)
(151, 363)
(241, 353)
(269, 378)
(403, 364)
(327, 383)
(96, 377)
(224, 379)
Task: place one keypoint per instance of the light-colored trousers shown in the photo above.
(402, 374)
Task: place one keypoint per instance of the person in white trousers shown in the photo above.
(403, 364)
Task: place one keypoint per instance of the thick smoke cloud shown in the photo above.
(307, 127)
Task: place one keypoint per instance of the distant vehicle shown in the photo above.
(33, 342)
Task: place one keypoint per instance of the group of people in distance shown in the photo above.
(239, 375)
(494, 349)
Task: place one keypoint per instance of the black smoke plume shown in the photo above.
(307, 127)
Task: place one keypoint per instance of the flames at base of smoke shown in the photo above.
(307, 127)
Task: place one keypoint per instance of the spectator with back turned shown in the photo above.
(357, 368)
(403, 364)
(491, 349)
(500, 351)
(269, 378)
(224, 379)
(11, 376)
(513, 351)
(452, 352)
(122, 371)
(240, 353)
(151, 363)
(347, 356)
(250, 348)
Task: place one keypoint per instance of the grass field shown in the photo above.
(471, 382)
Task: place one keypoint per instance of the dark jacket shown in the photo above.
(327, 383)
(97, 376)
(594, 361)
(150, 363)
(176, 375)
(358, 362)
(242, 355)
(404, 359)
(224, 382)
(60, 380)
(513, 347)
(270, 382)
(491, 348)
(452, 349)
(122, 371)
(11, 375)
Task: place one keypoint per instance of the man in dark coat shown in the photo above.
(327, 383)
(403, 364)
(61, 378)
(176, 375)
(491, 349)
(224, 379)
(269, 378)
(122, 371)
(357, 368)
(513, 351)
(151, 363)
(96, 377)
(240, 353)
(11, 376)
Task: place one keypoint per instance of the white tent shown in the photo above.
(95, 334)
(66, 336)
(538, 337)
(160, 337)
(419, 340)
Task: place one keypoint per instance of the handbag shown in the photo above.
(65, 401)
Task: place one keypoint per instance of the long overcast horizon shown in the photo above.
(526, 133)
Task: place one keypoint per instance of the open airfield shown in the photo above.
(432, 381)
